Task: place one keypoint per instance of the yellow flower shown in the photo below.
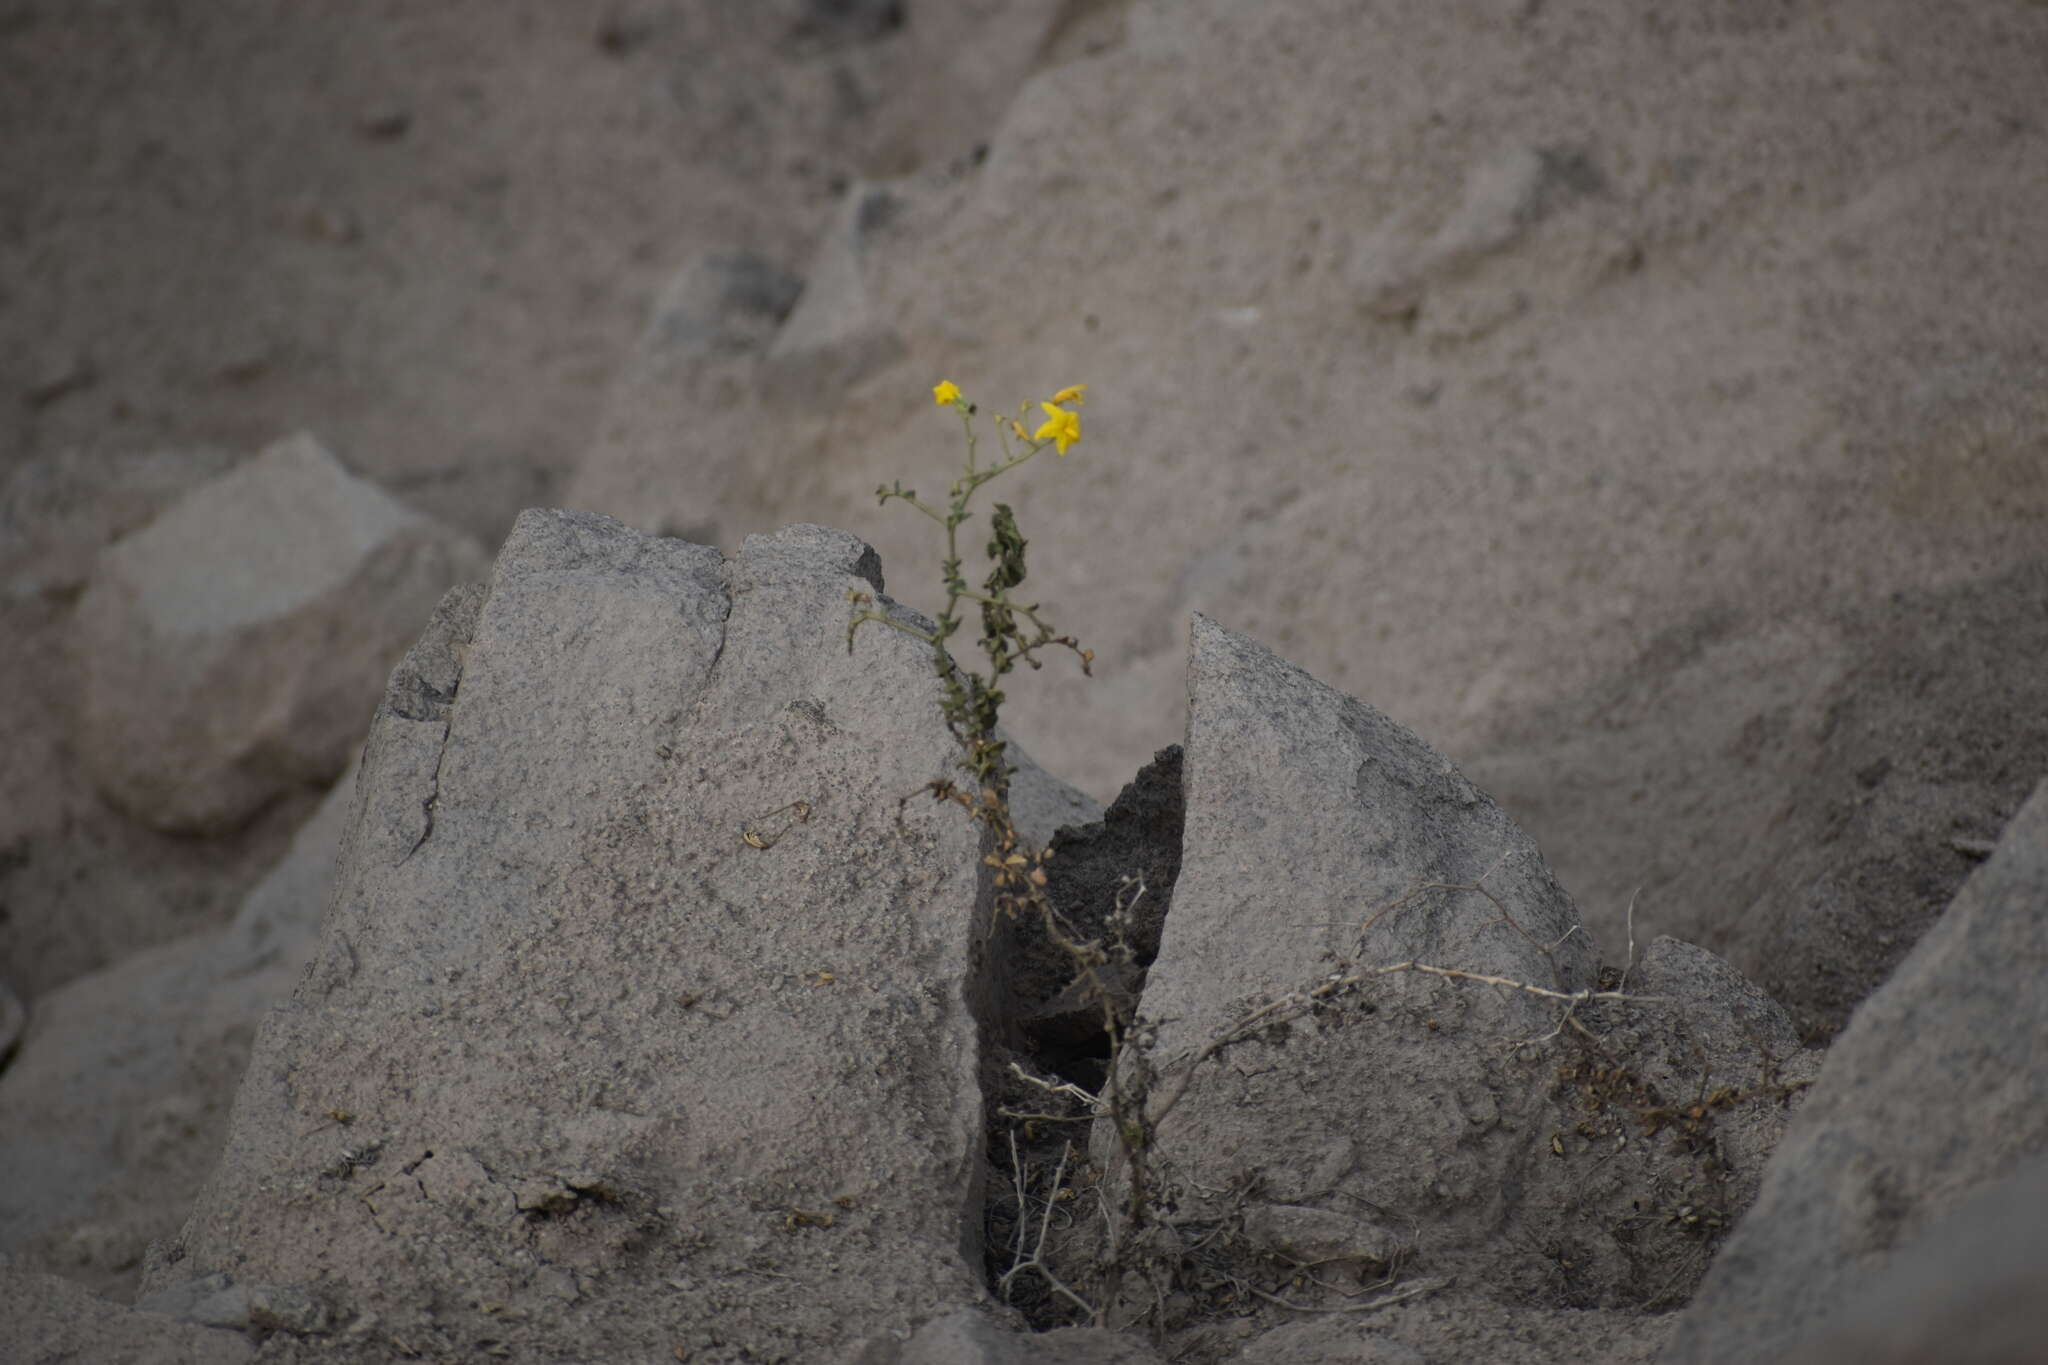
(1063, 428)
(1077, 394)
(946, 393)
(1018, 427)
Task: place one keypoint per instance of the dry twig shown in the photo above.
(1019, 1262)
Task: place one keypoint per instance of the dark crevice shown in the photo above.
(1112, 883)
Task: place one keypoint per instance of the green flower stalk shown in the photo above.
(974, 700)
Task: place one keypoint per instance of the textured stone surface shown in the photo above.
(233, 648)
(114, 1111)
(53, 1319)
(606, 1058)
(647, 1016)
(1308, 814)
(1968, 1292)
(1445, 1329)
(1933, 1091)
(967, 1338)
(1318, 1104)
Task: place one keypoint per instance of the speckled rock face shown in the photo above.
(601, 1054)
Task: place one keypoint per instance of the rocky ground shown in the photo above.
(1644, 405)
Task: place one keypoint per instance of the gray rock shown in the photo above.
(1327, 1343)
(1319, 1103)
(1933, 1091)
(1967, 1293)
(837, 336)
(673, 450)
(646, 1016)
(1715, 1069)
(1311, 823)
(210, 1300)
(1447, 1328)
(52, 1319)
(652, 1022)
(721, 301)
(58, 511)
(82, 885)
(969, 1338)
(234, 647)
(114, 1111)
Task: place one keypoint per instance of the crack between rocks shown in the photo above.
(1049, 1023)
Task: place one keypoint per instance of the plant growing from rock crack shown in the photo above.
(1013, 630)
(973, 700)
(1140, 1237)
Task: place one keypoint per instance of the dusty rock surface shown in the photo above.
(115, 1110)
(1642, 404)
(644, 1019)
(230, 649)
(51, 1318)
(1329, 1112)
(968, 1338)
(81, 885)
(621, 1080)
(1967, 1291)
(1932, 1094)
(556, 1079)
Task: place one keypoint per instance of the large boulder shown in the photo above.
(1377, 1046)
(234, 647)
(1933, 1092)
(643, 1021)
(83, 885)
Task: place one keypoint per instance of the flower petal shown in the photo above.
(1063, 428)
